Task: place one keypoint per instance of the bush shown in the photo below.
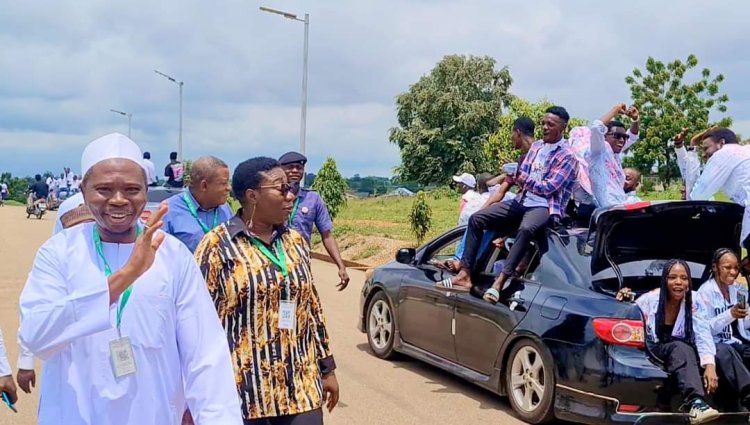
(331, 186)
(420, 218)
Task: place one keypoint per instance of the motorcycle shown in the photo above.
(37, 208)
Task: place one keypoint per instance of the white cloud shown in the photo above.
(66, 63)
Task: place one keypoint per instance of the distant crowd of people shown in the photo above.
(195, 315)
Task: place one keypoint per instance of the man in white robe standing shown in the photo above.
(120, 314)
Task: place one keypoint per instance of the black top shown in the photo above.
(39, 189)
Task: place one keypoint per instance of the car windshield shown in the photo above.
(159, 195)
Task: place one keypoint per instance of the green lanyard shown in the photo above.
(278, 258)
(194, 212)
(294, 211)
(108, 272)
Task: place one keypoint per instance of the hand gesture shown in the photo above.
(148, 243)
(625, 294)
(679, 139)
(26, 380)
(344, 279)
(9, 387)
(633, 113)
(498, 243)
(620, 109)
(330, 391)
(738, 312)
(710, 380)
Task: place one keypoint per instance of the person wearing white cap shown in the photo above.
(120, 314)
(466, 185)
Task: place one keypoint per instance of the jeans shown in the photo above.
(681, 363)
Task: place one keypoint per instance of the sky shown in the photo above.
(65, 64)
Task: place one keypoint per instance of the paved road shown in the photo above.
(373, 391)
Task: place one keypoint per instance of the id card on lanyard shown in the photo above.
(121, 355)
(287, 308)
(194, 212)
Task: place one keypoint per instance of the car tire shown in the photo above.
(381, 326)
(530, 382)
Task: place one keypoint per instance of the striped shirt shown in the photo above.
(557, 180)
(278, 372)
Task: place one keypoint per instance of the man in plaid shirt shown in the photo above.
(545, 179)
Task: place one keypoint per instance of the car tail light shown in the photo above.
(624, 332)
(628, 408)
(637, 205)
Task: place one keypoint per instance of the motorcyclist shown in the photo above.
(38, 190)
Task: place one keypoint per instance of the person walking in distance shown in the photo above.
(119, 313)
(150, 169)
(174, 171)
(309, 208)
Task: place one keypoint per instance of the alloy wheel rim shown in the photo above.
(527, 379)
(381, 324)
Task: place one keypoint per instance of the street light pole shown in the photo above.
(303, 117)
(125, 114)
(180, 84)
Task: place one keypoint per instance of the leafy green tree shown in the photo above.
(187, 168)
(331, 186)
(668, 101)
(446, 117)
(420, 217)
(499, 149)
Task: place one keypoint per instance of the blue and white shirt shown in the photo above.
(649, 304)
(718, 312)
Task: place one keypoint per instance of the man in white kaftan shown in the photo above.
(121, 315)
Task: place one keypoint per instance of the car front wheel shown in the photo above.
(530, 382)
(381, 326)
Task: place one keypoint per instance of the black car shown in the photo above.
(155, 196)
(560, 345)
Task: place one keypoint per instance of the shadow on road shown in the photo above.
(447, 383)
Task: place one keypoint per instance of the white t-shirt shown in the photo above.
(537, 174)
(3, 188)
(150, 171)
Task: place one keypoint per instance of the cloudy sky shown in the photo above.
(64, 64)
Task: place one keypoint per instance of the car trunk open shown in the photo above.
(690, 230)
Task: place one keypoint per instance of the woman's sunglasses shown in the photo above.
(621, 136)
(284, 188)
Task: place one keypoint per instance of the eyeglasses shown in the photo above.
(284, 188)
(621, 136)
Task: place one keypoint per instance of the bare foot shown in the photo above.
(462, 279)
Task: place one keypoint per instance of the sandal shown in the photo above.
(491, 295)
(447, 284)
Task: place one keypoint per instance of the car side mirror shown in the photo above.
(406, 255)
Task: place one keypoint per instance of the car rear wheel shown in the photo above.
(381, 326)
(530, 382)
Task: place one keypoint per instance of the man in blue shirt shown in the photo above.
(309, 208)
(201, 207)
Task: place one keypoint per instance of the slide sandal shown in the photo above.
(491, 296)
(447, 284)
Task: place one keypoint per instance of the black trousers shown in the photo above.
(731, 361)
(504, 218)
(746, 243)
(314, 417)
(681, 363)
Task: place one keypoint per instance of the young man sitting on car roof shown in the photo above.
(545, 180)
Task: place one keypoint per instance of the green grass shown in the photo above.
(12, 203)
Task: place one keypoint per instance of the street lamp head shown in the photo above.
(119, 112)
(279, 12)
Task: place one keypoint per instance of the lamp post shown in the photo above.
(303, 118)
(180, 84)
(125, 114)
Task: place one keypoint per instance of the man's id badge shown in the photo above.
(287, 315)
(121, 356)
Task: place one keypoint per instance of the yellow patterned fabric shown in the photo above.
(278, 371)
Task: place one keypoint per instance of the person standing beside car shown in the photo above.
(309, 209)
(150, 169)
(676, 328)
(201, 207)
(725, 303)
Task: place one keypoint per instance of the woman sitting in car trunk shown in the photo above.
(725, 304)
(674, 337)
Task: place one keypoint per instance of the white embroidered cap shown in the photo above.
(111, 146)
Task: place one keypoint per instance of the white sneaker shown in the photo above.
(701, 412)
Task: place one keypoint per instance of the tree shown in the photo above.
(445, 119)
(420, 217)
(187, 168)
(499, 149)
(667, 104)
(331, 186)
